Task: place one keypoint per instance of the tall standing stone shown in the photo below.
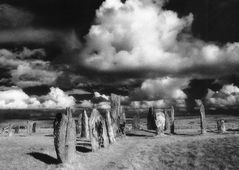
(202, 119)
(10, 132)
(150, 119)
(136, 121)
(172, 120)
(85, 126)
(115, 113)
(98, 132)
(34, 127)
(167, 121)
(221, 126)
(16, 129)
(109, 128)
(159, 121)
(122, 125)
(70, 137)
(65, 137)
(29, 127)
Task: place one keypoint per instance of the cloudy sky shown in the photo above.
(145, 50)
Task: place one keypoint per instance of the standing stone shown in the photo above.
(34, 127)
(16, 129)
(150, 119)
(115, 113)
(122, 123)
(29, 127)
(109, 128)
(167, 122)
(172, 121)
(160, 122)
(105, 138)
(10, 132)
(78, 127)
(202, 119)
(98, 132)
(65, 137)
(136, 122)
(70, 137)
(85, 126)
(221, 126)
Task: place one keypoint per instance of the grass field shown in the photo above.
(139, 150)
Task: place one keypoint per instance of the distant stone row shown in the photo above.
(12, 129)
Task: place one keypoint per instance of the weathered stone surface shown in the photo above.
(221, 126)
(172, 120)
(78, 127)
(60, 125)
(115, 113)
(65, 137)
(70, 137)
(136, 121)
(159, 121)
(85, 126)
(98, 132)
(150, 120)
(105, 138)
(110, 131)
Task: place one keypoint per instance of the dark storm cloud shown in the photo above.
(214, 20)
(11, 17)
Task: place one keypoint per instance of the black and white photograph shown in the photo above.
(119, 84)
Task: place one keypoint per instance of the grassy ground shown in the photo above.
(140, 150)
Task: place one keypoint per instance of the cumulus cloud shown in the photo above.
(140, 36)
(227, 97)
(98, 95)
(85, 103)
(98, 100)
(16, 98)
(147, 104)
(160, 88)
(57, 99)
